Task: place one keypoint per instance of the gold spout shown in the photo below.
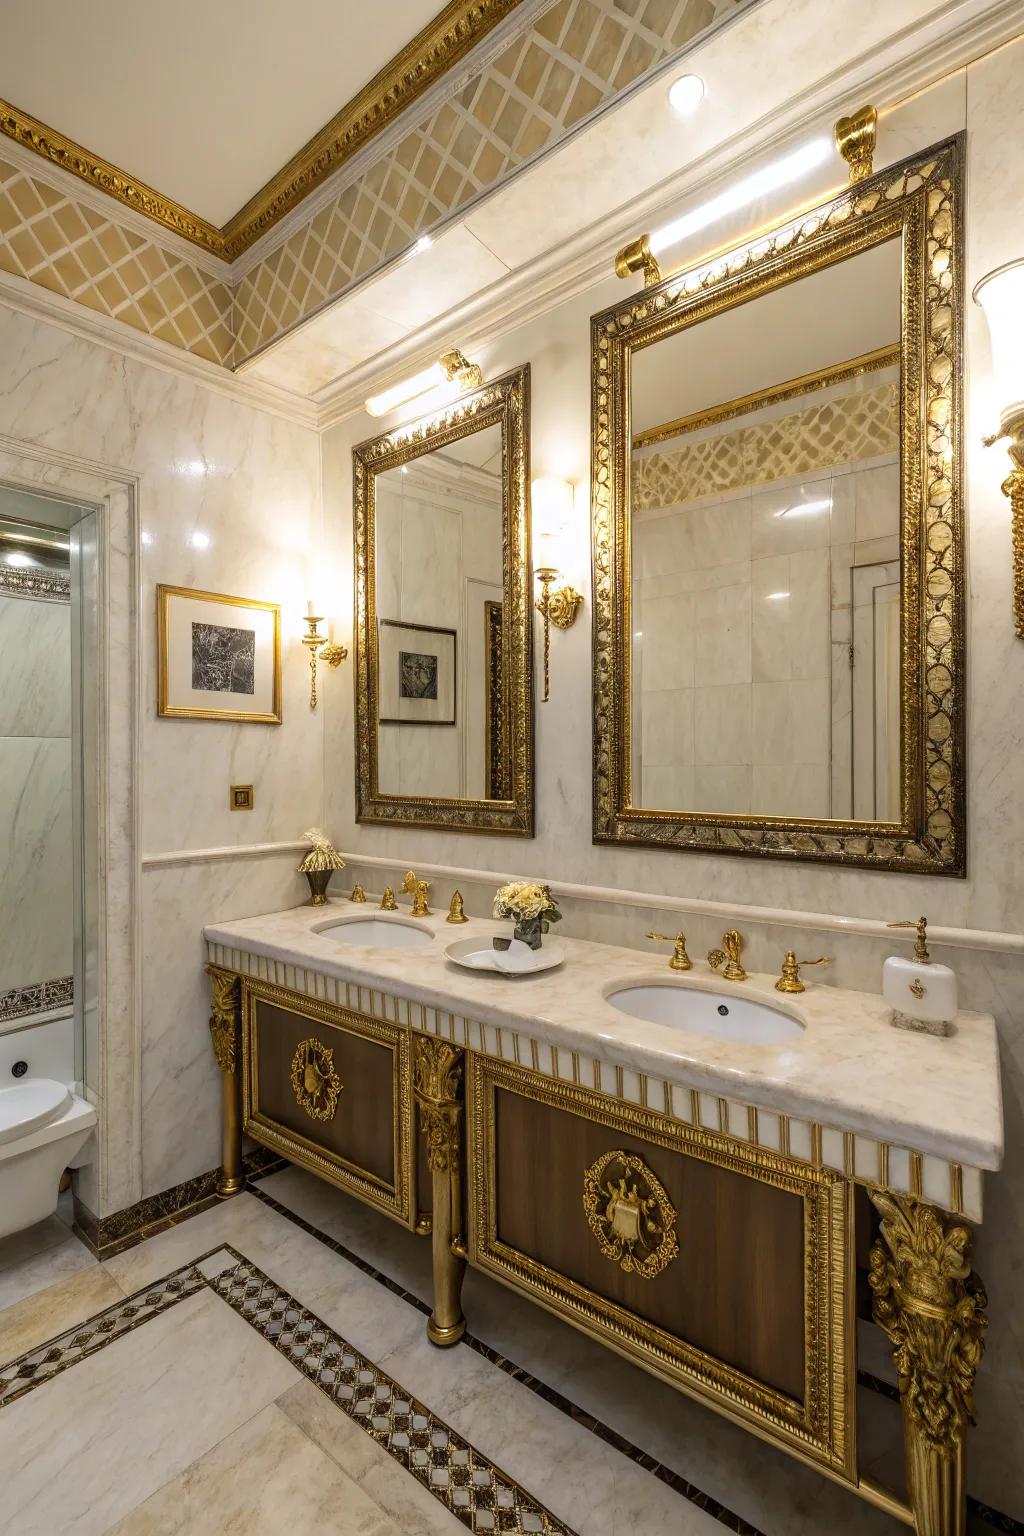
(358, 894)
(790, 981)
(457, 911)
(417, 889)
(387, 901)
(728, 957)
(680, 960)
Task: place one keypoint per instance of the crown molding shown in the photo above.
(911, 61)
(440, 45)
(28, 298)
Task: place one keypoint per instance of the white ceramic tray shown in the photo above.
(518, 960)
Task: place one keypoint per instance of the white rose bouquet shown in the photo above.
(531, 906)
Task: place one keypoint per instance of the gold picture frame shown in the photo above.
(506, 403)
(919, 202)
(171, 689)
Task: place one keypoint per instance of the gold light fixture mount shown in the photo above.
(319, 649)
(637, 256)
(855, 140)
(460, 370)
(559, 608)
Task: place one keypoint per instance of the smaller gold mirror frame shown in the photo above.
(505, 403)
(919, 203)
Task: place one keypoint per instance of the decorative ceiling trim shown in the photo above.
(441, 44)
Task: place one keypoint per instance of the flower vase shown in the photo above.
(530, 930)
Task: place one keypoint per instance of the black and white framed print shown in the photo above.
(219, 657)
(416, 674)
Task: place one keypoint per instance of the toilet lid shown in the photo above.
(30, 1104)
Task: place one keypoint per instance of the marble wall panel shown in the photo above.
(35, 647)
(37, 930)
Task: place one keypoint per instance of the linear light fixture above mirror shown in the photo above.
(453, 368)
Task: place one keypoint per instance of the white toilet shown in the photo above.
(43, 1128)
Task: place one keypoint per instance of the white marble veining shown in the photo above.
(36, 867)
(35, 663)
(849, 1068)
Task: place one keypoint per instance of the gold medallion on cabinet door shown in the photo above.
(630, 1214)
(314, 1080)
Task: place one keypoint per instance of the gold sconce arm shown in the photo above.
(319, 647)
(637, 256)
(559, 608)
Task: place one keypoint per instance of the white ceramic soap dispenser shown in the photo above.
(923, 995)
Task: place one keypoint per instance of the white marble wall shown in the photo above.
(247, 483)
(36, 865)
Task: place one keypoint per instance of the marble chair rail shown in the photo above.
(868, 1160)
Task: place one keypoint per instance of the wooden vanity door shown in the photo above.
(721, 1267)
(330, 1089)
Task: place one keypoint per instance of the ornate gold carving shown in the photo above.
(931, 1306)
(630, 1214)
(224, 1017)
(1013, 489)
(440, 45)
(437, 1075)
(495, 704)
(855, 141)
(315, 1082)
(918, 201)
(816, 1427)
(390, 1195)
(504, 403)
(418, 890)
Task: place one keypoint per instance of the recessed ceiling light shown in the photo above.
(422, 244)
(199, 540)
(686, 94)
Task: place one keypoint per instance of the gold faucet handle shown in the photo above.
(921, 945)
(419, 899)
(409, 883)
(790, 981)
(680, 959)
(387, 901)
(358, 894)
(457, 911)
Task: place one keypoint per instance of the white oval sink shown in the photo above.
(725, 1016)
(378, 933)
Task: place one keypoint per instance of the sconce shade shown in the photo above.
(1001, 297)
(552, 505)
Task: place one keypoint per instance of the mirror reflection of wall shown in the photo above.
(37, 874)
(439, 602)
(765, 553)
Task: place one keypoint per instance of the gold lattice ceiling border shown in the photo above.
(434, 50)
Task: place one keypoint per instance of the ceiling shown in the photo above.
(186, 98)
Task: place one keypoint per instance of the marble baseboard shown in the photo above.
(109, 1235)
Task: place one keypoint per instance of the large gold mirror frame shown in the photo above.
(917, 203)
(505, 690)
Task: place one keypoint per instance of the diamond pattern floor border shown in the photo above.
(466, 1482)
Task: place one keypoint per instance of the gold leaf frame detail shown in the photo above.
(504, 403)
(314, 1079)
(918, 201)
(820, 1429)
(602, 1205)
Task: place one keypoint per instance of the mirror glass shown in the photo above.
(438, 553)
(765, 553)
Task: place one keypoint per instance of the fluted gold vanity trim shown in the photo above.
(505, 402)
(919, 202)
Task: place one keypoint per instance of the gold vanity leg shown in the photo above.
(437, 1067)
(931, 1305)
(225, 1033)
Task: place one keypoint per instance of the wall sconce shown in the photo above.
(552, 504)
(319, 648)
(1000, 295)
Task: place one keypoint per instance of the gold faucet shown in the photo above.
(387, 901)
(358, 894)
(417, 889)
(728, 957)
(921, 954)
(790, 981)
(680, 960)
(457, 910)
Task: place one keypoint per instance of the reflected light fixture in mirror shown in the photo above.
(552, 503)
(320, 648)
(452, 368)
(1001, 297)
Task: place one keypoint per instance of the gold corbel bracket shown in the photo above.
(855, 140)
(637, 256)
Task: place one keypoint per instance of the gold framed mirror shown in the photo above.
(778, 540)
(443, 667)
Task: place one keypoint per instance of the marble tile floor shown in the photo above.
(185, 1414)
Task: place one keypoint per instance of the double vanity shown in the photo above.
(709, 1175)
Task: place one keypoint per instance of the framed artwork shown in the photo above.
(218, 657)
(416, 674)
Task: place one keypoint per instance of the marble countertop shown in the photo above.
(850, 1069)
